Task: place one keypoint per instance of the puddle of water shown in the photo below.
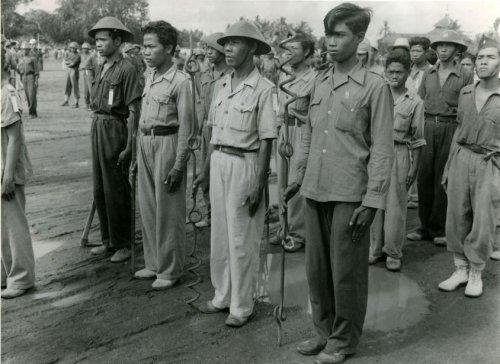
(394, 300)
(43, 248)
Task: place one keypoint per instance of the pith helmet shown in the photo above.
(211, 41)
(364, 46)
(85, 46)
(449, 36)
(401, 42)
(111, 23)
(73, 45)
(246, 30)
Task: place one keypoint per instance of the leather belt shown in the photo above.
(160, 130)
(233, 150)
(441, 119)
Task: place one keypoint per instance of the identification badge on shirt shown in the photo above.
(15, 105)
(110, 97)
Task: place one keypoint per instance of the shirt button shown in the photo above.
(324, 151)
(329, 112)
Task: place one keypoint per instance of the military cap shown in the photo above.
(487, 42)
(73, 45)
(211, 41)
(85, 46)
(401, 42)
(113, 24)
(363, 47)
(449, 36)
(245, 29)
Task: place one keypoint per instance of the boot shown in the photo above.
(459, 277)
(75, 106)
(474, 287)
(120, 255)
(65, 103)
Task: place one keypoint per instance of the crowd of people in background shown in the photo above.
(372, 134)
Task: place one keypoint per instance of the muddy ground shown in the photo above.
(86, 309)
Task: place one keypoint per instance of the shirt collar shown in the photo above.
(469, 90)
(251, 79)
(357, 74)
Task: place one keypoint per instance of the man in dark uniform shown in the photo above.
(344, 173)
(27, 68)
(115, 100)
(88, 66)
(439, 89)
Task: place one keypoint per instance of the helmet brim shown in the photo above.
(262, 47)
(125, 36)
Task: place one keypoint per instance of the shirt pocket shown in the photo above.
(314, 111)
(243, 117)
(352, 117)
(112, 96)
(402, 121)
(164, 103)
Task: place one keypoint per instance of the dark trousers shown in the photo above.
(431, 194)
(88, 76)
(111, 186)
(72, 83)
(30, 91)
(337, 273)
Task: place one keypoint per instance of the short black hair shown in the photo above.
(398, 56)
(470, 56)
(166, 33)
(306, 42)
(356, 18)
(421, 41)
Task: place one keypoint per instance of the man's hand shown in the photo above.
(124, 160)
(412, 175)
(360, 221)
(253, 200)
(8, 188)
(289, 192)
(173, 180)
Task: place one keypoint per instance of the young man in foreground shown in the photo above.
(347, 155)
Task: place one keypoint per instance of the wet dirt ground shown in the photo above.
(86, 309)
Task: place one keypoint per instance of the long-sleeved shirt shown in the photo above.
(242, 117)
(481, 127)
(347, 140)
(207, 81)
(167, 101)
(88, 62)
(443, 101)
(409, 120)
(27, 65)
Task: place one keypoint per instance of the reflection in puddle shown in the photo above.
(394, 300)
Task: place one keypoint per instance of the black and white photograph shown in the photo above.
(250, 181)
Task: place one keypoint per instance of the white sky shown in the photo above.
(404, 16)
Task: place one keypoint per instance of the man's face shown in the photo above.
(155, 54)
(467, 63)
(445, 51)
(72, 49)
(417, 54)
(488, 63)
(396, 74)
(105, 45)
(295, 53)
(214, 56)
(85, 50)
(341, 43)
(237, 51)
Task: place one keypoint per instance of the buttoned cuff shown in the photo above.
(417, 143)
(375, 201)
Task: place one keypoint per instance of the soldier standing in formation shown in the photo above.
(299, 52)
(218, 68)
(88, 66)
(472, 175)
(72, 63)
(388, 230)
(28, 70)
(344, 173)
(166, 122)
(114, 100)
(439, 89)
(242, 118)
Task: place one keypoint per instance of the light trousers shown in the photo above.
(18, 262)
(163, 214)
(388, 230)
(236, 236)
(473, 192)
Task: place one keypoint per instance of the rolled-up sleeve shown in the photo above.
(382, 148)
(266, 117)
(417, 126)
(185, 114)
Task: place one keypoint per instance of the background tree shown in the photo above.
(11, 21)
